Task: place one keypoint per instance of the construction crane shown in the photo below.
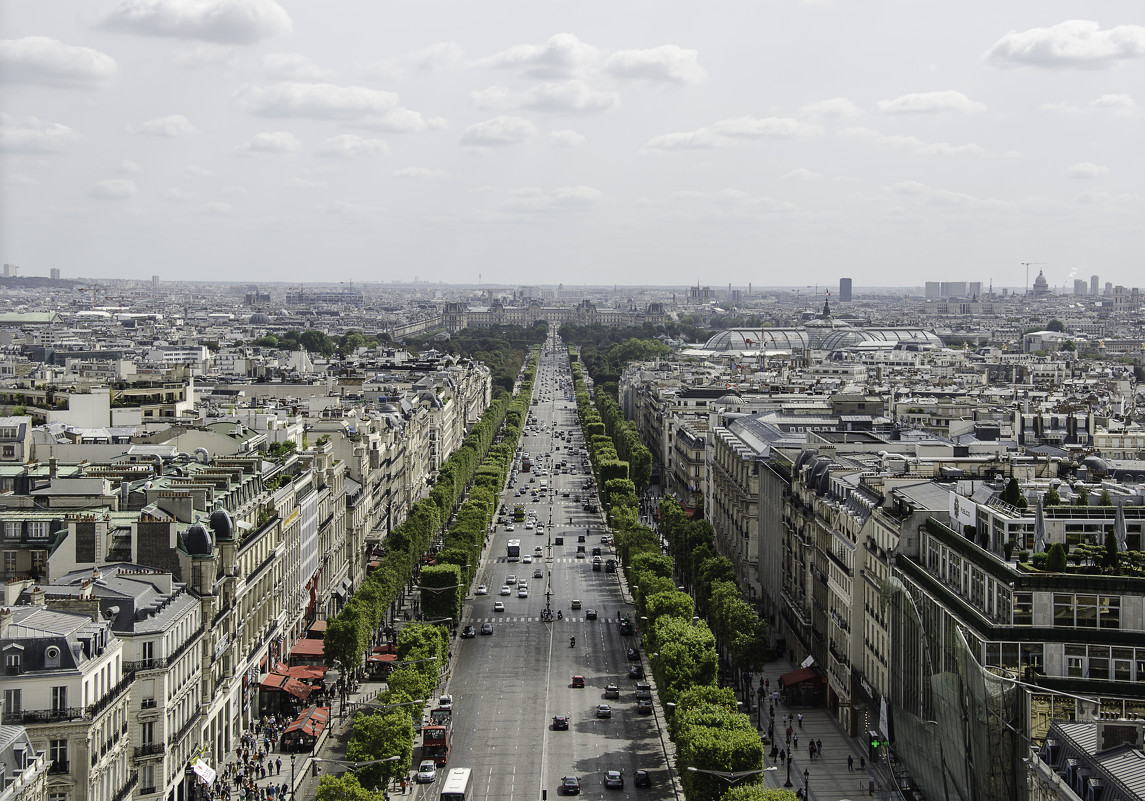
(1027, 264)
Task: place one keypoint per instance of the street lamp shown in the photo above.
(788, 760)
(314, 763)
(387, 707)
(730, 776)
(806, 786)
(292, 785)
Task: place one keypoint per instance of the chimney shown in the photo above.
(39, 597)
(53, 468)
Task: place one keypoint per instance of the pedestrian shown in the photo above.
(811, 750)
(278, 766)
(819, 746)
(767, 683)
(782, 754)
(771, 710)
(801, 720)
(795, 740)
(850, 763)
(862, 763)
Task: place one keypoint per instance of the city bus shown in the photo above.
(456, 786)
(514, 553)
(436, 740)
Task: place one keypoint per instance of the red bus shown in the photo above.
(435, 741)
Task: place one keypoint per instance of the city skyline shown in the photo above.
(511, 143)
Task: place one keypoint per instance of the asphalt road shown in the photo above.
(507, 687)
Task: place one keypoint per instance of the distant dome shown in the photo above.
(754, 339)
(197, 540)
(260, 319)
(1041, 285)
(221, 525)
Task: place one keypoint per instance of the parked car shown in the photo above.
(635, 672)
(482, 589)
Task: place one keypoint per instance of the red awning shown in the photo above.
(304, 672)
(318, 625)
(276, 681)
(801, 676)
(307, 649)
(310, 722)
(382, 658)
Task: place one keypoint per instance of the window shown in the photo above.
(59, 698)
(52, 656)
(10, 563)
(13, 703)
(12, 662)
(1075, 661)
(9, 451)
(38, 529)
(1023, 609)
(58, 751)
(147, 733)
(12, 529)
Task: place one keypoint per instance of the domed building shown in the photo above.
(1041, 286)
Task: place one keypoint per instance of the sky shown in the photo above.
(770, 142)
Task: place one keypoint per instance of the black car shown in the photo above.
(560, 723)
(468, 632)
(644, 706)
(486, 628)
(625, 627)
(642, 778)
(633, 655)
(570, 785)
(590, 614)
(635, 672)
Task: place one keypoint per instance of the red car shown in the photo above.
(578, 681)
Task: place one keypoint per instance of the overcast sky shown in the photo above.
(598, 141)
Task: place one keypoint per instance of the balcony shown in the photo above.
(59, 767)
(148, 703)
(112, 696)
(125, 791)
(30, 717)
(149, 749)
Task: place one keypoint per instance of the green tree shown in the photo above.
(1051, 498)
(1106, 499)
(379, 736)
(1013, 492)
(758, 791)
(442, 591)
(1082, 497)
(344, 788)
(1056, 558)
(1111, 557)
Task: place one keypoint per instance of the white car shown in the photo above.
(526, 560)
(522, 592)
(505, 590)
(510, 579)
(482, 589)
(510, 527)
(426, 771)
(529, 526)
(498, 607)
(445, 702)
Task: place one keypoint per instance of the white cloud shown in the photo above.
(128, 168)
(421, 174)
(173, 126)
(495, 98)
(913, 143)
(34, 136)
(293, 67)
(1087, 169)
(930, 103)
(569, 97)
(725, 133)
(802, 174)
(1060, 108)
(403, 120)
(354, 211)
(1093, 197)
(664, 64)
(177, 195)
(48, 62)
(201, 54)
(932, 196)
(566, 198)
(436, 56)
(113, 189)
(219, 208)
(317, 100)
(749, 127)
(835, 107)
(224, 21)
(566, 138)
(349, 146)
(1073, 43)
(562, 56)
(1119, 104)
(270, 143)
(498, 131)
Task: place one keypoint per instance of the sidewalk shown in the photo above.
(828, 775)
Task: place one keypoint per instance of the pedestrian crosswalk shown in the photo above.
(512, 619)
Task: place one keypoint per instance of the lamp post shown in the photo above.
(806, 785)
(292, 756)
(730, 776)
(788, 760)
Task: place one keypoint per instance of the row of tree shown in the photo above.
(482, 460)
(703, 719)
